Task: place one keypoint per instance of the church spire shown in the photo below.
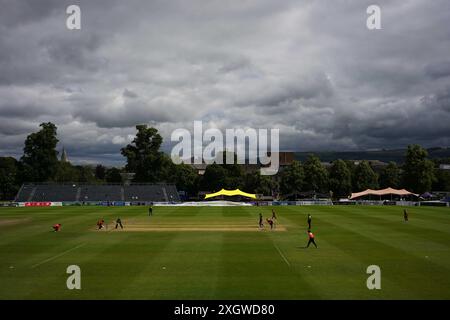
(64, 155)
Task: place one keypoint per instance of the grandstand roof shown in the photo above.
(382, 192)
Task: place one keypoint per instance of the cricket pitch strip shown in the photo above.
(146, 227)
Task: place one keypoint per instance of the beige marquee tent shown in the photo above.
(383, 192)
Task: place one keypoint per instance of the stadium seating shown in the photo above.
(25, 193)
(89, 193)
(55, 193)
(137, 193)
(101, 193)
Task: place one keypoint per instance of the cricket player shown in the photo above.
(100, 223)
(274, 216)
(57, 227)
(311, 239)
(119, 223)
(150, 211)
(309, 221)
(405, 215)
(261, 225)
(270, 222)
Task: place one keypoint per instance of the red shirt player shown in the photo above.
(311, 239)
(57, 227)
(100, 224)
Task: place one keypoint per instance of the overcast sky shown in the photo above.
(310, 68)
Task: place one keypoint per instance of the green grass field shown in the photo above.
(219, 253)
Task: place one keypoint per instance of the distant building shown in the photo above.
(64, 157)
(286, 158)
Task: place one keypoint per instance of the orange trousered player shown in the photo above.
(311, 239)
(57, 227)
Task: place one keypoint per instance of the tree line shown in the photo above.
(144, 158)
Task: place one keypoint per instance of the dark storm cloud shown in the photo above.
(23, 12)
(438, 70)
(310, 68)
(129, 94)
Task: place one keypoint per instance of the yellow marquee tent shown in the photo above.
(236, 192)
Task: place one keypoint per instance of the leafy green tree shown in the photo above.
(352, 168)
(86, 174)
(143, 155)
(40, 157)
(340, 179)
(214, 178)
(100, 172)
(9, 184)
(292, 179)
(254, 182)
(418, 171)
(168, 170)
(113, 175)
(234, 178)
(267, 185)
(442, 182)
(390, 176)
(316, 175)
(251, 181)
(66, 173)
(365, 177)
(185, 178)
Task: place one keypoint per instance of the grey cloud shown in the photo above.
(27, 11)
(438, 69)
(129, 94)
(311, 69)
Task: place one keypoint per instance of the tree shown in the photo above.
(365, 177)
(86, 174)
(40, 157)
(254, 182)
(292, 179)
(66, 173)
(316, 175)
(228, 176)
(418, 171)
(9, 184)
(214, 178)
(390, 176)
(234, 178)
(185, 178)
(442, 182)
(100, 172)
(352, 168)
(143, 155)
(340, 179)
(113, 175)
